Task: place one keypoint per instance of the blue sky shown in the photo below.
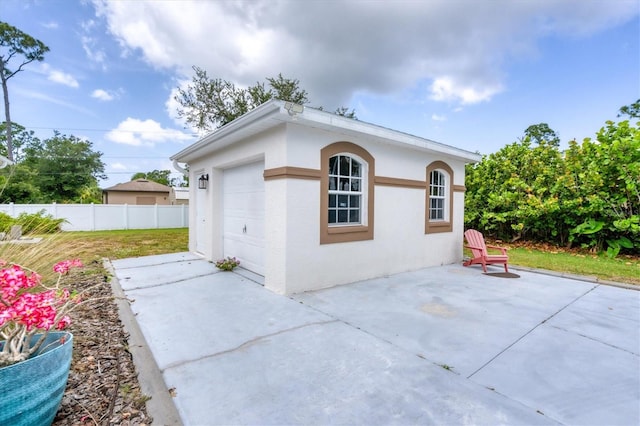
(466, 73)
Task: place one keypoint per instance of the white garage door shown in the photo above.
(243, 204)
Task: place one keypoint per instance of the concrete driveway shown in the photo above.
(444, 345)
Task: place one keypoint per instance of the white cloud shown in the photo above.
(458, 48)
(105, 95)
(145, 133)
(60, 77)
(52, 25)
(118, 166)
(56, 101)
(437, 117)
(90, 44)
(447, 89)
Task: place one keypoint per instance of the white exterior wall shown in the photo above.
(295, 259)
(268, 147)
(399, 243)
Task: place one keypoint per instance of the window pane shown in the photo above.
(355, 168)
(354, 201)
(342, 216)
(332, 216)
(344, 165)
(332, 183)
(333, 165)
(355, 184)
(354, 216)
(343, 200)
(344, 184)
(332, 200)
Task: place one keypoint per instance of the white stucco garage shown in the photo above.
(310, 199)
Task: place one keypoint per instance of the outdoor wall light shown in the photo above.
(202, 181)
(293, 108)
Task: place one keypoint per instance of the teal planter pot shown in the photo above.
(31, 391)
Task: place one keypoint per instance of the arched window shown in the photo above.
(346, 198)
(438, 196)
(345, 190)
(439, 203)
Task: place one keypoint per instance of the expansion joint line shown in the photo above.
(531, 331)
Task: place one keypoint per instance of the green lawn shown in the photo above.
(93, 246)
(621, 269)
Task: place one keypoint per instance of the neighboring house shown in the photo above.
(137, 192)
(179, 195)
(310, 199)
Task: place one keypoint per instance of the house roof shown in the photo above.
(139, 185)
(276, 112)
(181, 193)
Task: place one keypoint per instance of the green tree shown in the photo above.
(607, 181)
(17, 185)
(65, 165)
(344, 111)
(509, 192)
(208, 104)
(88, 194)
(588, 195)
(21, 138)
(160, 176)
(15, 43)
(633, 110)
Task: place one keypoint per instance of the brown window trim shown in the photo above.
(433, 227)
(342, 234)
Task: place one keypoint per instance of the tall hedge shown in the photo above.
(588, 194)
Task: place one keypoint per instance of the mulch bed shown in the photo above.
(103, 386)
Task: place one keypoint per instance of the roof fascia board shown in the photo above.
(256, 114)
(311, 117)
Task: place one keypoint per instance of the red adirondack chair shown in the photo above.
(479, 251)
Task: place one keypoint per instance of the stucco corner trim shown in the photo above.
(459, 188)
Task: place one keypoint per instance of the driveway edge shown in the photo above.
(160, 407)
(586, 278)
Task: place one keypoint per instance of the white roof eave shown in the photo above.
(273, 113)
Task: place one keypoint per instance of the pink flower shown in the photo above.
(64, 266)
(63, 323)
(27, 306)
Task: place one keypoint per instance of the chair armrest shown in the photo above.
(473, 247)
(502, 249)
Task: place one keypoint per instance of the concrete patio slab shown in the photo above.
(328, 373)
(212, 314)
(445, 345)
(568, 377)
(451, 315)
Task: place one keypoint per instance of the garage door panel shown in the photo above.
(243, 211)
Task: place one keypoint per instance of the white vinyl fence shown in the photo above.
(101, 217)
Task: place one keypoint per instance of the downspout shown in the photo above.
(181, 169)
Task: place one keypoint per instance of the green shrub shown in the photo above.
(35, 223)
(5, 222)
